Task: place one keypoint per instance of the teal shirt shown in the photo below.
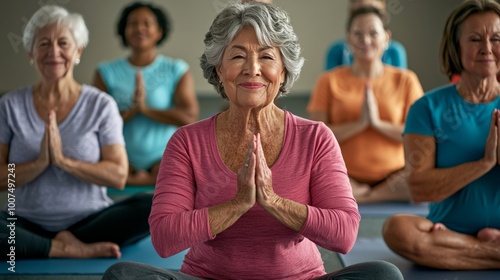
(145, 138)
(460, 130)
(339, 54)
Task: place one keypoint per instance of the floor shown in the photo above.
(369, 227)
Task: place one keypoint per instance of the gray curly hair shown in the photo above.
(273, 28)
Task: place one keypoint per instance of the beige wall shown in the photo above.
(416, 23)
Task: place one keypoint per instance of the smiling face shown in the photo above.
(142, 30)
(367, 38)
(479, 39)
(54, 52)
(251, 73)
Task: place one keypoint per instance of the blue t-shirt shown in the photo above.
(145, 138)
(57, 199)
(339, 54)
(460, 129)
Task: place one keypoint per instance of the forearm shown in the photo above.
(288, 212)
(104, 173)
(128, 114)
(23, 173)
(437, 184)
(345, 131)
(392, 131)
(178, 117)
(224, 215)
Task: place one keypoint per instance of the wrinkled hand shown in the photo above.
(491, 151)
(44, 156)
(246, 193)
(140, 92)
(263, 178)
(55, 143)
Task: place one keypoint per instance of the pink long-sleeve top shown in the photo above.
(310, 170)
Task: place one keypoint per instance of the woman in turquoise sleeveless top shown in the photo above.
(155, 93)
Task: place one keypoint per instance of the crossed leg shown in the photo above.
(425, 243)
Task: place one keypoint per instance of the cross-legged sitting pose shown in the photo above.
(61, 146)
(253, 191)
(452, 147)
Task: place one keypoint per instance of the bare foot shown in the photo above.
(438, 227)
(66, 245)
(489, 234)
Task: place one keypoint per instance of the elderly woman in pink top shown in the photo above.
(253, 190)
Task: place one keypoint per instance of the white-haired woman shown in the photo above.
(61, 145)
(253, 190)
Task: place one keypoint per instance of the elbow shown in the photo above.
(160, 248)
(348, 235)
(346, 248)
(348, 243)
(160, 243)
(119, 184)
(416, 193)
(121, 178)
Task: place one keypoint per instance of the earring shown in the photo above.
(386, 46)
(77, 61)
(31, 62)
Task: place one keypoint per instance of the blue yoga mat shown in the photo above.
(387, 209)
(130, 190)
(142, 251)
(369, 249)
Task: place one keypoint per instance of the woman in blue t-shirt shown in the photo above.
(155, 93)
(452, 147)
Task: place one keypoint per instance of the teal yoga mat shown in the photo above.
(141, 251)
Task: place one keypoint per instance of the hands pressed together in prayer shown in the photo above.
(255, 183)
(51, 151)
(140, 93)
(369, 111)
(492, 149)
(139, 99)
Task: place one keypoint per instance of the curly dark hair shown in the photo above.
(162, 19)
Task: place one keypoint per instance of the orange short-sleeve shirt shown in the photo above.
(369, 156)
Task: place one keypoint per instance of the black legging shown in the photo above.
(123, 223)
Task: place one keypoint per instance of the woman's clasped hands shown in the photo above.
(51, 151)
(255, 184)
(492, 149)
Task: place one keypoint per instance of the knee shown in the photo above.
(393, 226)
(118, 271)
(395, 231)
(384, 270)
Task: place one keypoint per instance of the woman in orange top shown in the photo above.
(365, 104)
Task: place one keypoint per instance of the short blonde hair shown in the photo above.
(449, 50)
(54, 14)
